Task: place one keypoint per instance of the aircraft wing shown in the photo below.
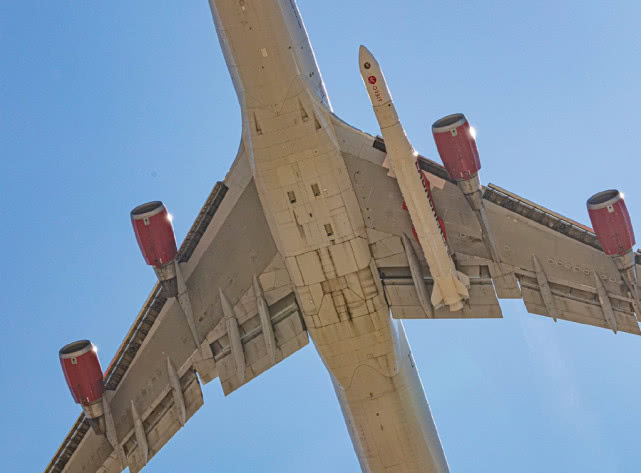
(554, 264)
(153, 383)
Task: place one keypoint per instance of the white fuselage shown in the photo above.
(317, 225)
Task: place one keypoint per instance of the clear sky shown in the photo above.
(104, 105)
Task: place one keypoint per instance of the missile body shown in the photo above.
(450, 286)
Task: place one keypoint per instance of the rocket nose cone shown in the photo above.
(366, 58)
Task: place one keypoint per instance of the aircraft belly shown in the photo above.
(389, 420)
(266, 47)
(318, 227)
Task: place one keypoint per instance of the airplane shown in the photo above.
(414, 263)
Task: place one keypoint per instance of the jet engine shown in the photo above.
(155, 235)
(613, 227)
(81, 367)
(611, 222)
(456, 144)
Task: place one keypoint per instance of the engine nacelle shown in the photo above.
(81, 367)
(611, 222)
(155, 235)
(456, 145)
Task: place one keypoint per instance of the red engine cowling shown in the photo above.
(457, 146)
(81, 367)
(611, 222)
(154, 233)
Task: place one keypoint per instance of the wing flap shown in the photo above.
(164, 420)
(289, 333)
(404, 303)
(580, 306)
(265, 339)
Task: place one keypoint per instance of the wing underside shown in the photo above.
(549, 261)
(245, 313)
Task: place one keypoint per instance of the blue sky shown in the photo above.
(104, 105)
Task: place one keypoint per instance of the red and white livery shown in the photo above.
(155, 236)
(81, 367)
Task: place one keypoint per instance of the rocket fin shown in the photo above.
(462, 283)
(437, 296)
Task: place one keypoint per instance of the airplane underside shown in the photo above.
(320, 230)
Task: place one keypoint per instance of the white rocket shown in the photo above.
(450, 285)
